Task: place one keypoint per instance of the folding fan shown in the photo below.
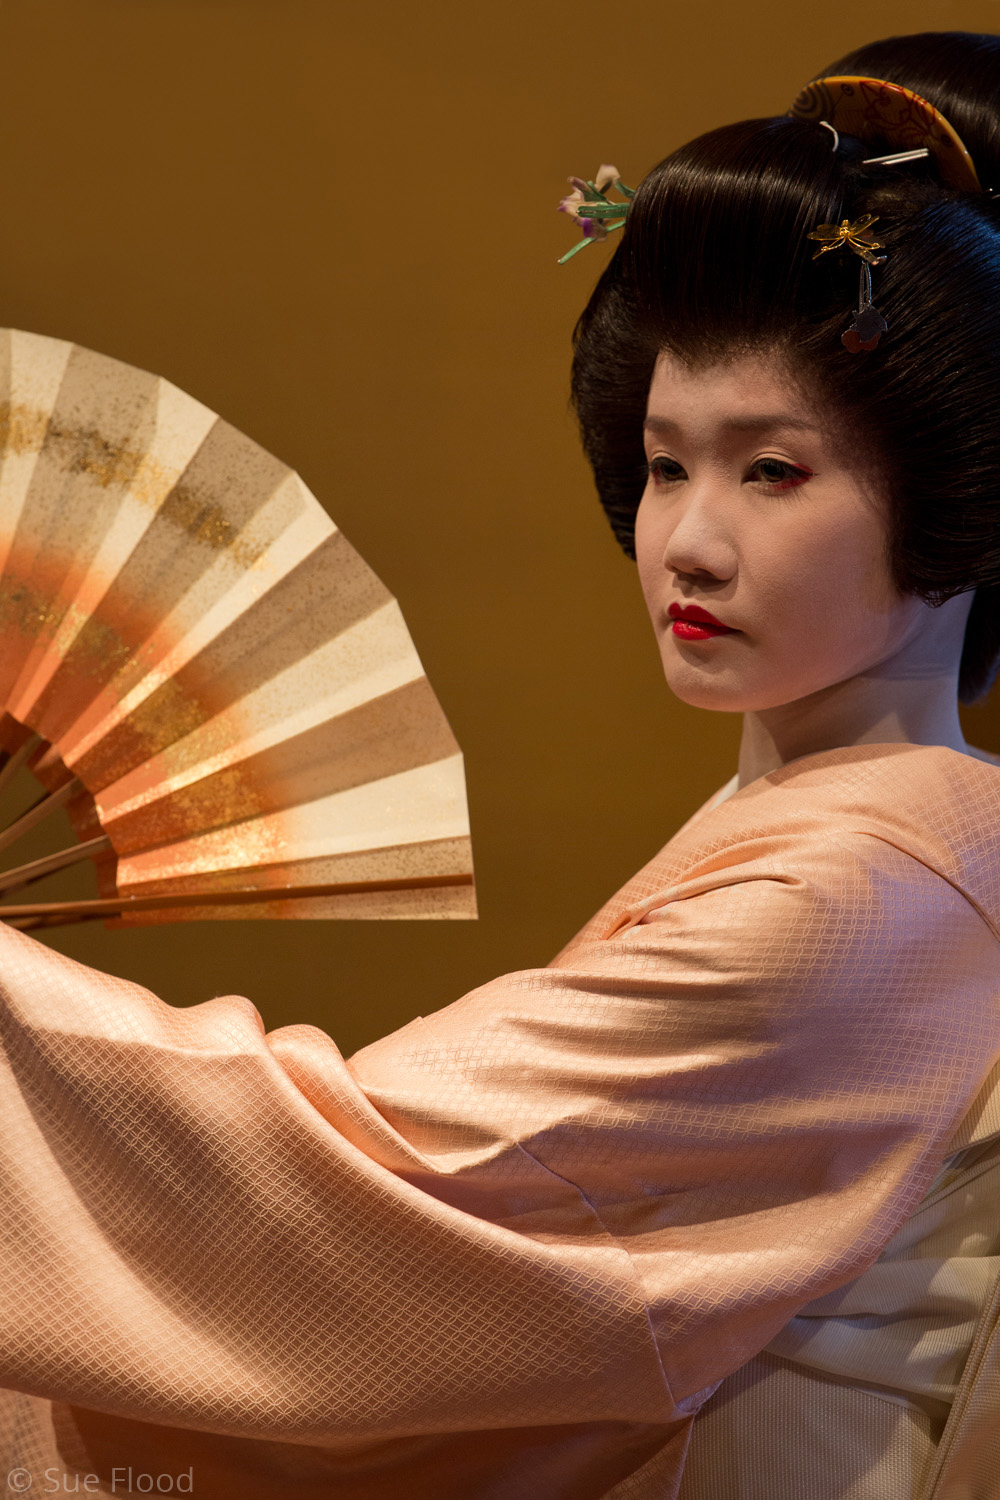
(202, 671)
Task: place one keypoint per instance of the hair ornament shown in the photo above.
(835, 133)
(872, 110)
(855, 236)
(596, 213)
(868, 325)
(896, 158)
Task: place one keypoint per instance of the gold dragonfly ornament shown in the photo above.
(868, 324)
(854, 236)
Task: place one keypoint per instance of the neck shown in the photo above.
(863, 710)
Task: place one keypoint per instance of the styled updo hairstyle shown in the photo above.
(714, 262)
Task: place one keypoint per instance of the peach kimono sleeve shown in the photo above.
(511, 1248)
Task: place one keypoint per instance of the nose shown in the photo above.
(698, 543)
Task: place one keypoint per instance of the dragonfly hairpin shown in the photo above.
(854, 236)
(868, 325)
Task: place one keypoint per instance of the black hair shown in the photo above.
(713, 261)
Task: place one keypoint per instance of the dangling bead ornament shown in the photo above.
(868, 325)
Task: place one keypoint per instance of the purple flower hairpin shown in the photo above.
(596, 213)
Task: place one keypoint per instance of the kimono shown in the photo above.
(524, 1246)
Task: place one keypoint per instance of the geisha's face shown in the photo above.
(760, 515)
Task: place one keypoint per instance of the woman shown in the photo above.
(852, 1396)
(587, 1219)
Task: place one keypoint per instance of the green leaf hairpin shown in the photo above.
(596, 213)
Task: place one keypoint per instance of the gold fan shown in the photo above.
(202, 671)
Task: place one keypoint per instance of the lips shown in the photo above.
(692, 623)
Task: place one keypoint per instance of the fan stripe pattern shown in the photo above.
(195, 642)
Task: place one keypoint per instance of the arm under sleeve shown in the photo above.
(583, 1193)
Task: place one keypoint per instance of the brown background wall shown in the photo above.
(333, 222)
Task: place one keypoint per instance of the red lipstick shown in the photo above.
(692, 623)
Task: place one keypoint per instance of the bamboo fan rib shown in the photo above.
(201, 668)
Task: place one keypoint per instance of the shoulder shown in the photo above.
(887, 825)
(940, 808)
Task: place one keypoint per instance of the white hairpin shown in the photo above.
(836, 138)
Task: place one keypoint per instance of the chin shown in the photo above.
(723, 690)
(718, 701)
(707, 690)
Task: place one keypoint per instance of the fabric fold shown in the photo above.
(517, 1244)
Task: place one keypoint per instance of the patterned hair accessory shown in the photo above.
(596, 212)
(868, 325)
(871, 109)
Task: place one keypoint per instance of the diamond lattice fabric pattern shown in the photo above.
(512, 1248)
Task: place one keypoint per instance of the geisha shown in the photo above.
(707, 1207)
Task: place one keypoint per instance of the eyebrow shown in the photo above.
(740, 424)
